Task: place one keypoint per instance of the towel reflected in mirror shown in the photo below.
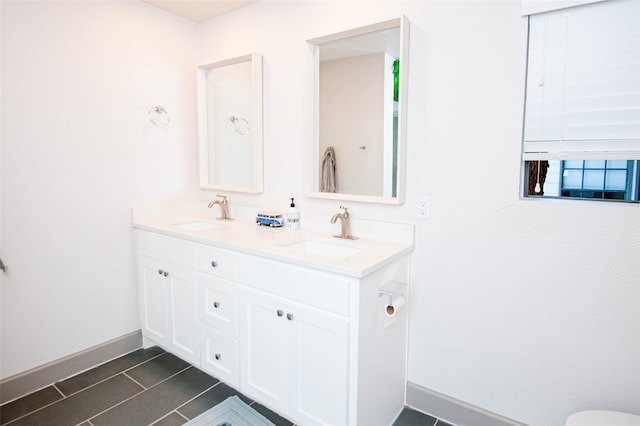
(328, 178)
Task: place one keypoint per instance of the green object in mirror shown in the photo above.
(396, 78)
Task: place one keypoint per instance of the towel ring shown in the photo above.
(240, 125)
(159, 116)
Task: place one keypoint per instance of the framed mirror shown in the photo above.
(230, 124)
(360, 101)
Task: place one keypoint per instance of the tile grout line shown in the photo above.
(86, 387)
(59, 391)
(115, 405)
(167, 415)
(35, 411)
(144, 362)
(88, 420)
(123, 372)
(110, 377)
(144, 389)
(40, 408)
(181, 415)
(198, 395)
(127, 370)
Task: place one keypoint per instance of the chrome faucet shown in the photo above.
(224, 214)
(345, 224)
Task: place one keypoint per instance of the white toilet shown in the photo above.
(602, 418)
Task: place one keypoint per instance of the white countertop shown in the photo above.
(247, 237)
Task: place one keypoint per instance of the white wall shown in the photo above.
(77, 152)
(527, 308)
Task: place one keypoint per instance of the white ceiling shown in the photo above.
(199, 10)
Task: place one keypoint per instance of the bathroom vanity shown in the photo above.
(293, 319)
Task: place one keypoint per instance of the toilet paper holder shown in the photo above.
(391, 289)
(394, 291)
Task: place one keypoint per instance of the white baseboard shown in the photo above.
(453, 410)
(37, 378)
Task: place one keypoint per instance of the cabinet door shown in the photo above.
(183, 310)
(154, 301)
(319, 370)
(295, 358)
(264, 356)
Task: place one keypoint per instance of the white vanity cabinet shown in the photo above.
(168, 294)
(295, 358)
(307, 338)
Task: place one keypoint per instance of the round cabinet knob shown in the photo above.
(216, 304)
(165, 273)
(218, 356)
(160, 271)
(290, 316)
(214, 264)
(280, 312)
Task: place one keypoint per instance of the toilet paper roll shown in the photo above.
(394, 307)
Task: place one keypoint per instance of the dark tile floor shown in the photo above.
(145, 387)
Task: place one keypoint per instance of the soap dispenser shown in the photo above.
(292, 217)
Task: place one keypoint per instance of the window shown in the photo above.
(590, 179)
(603, 179)
(582, 112)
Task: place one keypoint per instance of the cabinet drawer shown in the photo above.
(218, 262)
(166, 248)
(314, 288)
(218, 300)
(220, 355)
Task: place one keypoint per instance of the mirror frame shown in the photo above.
(256, 125)
(315, 43)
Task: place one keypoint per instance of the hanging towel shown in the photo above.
(328, 181)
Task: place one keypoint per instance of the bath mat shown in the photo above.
(230, 412)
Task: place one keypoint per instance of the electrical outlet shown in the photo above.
(423, 209)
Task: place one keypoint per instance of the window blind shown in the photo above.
(583, 83)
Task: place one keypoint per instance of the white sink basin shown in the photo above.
(197, 225)
(323, 247)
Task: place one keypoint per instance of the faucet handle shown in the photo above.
(346, 210)
(224, 198)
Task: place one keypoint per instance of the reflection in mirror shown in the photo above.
(230, 124)
(360, 105)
